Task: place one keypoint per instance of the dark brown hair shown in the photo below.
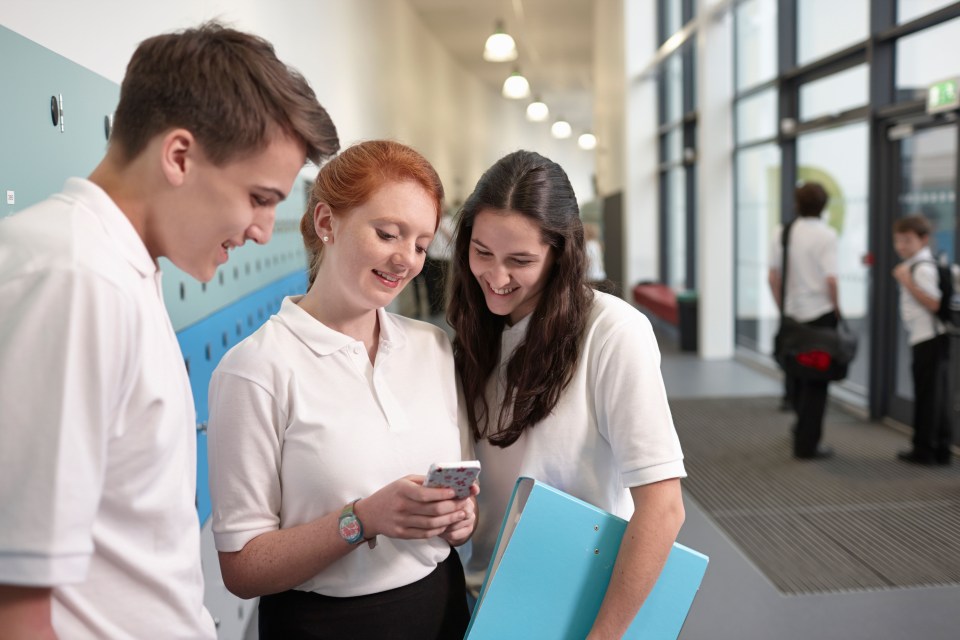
(350, 179)
(915, 223)
(543, 365)
(224, 86)
(810, 199)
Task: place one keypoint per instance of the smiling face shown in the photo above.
(218, 208)
(375, 249)
(510, 261)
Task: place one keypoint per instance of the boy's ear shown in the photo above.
(177, 149)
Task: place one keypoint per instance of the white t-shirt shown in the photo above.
(302, 423)
(813, 258)
(611, 429)
(920, 323)
(98, 461)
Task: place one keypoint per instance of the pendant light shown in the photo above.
(516, 86)
(537, 111)
(587, 141)
(561, 129)
(500, 46)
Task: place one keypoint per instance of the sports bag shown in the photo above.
(814, 353)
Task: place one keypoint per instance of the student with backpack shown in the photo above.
(920, 302)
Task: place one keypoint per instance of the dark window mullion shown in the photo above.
(788, 102)
(664, 227)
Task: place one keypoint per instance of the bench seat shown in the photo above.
(658, 299)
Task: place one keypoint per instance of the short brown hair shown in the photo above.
(810, 198)
(350, 179)
(914, 223)
(224, 86)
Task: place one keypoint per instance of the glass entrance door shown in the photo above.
(924, 182)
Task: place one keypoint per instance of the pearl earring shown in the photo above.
(326, 238)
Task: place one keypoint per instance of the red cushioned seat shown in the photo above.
(659, 299)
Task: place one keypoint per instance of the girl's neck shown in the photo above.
(331, 310)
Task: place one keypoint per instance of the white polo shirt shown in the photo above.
(302, 423)
(98, 431)
(611, 429)
(812, 259)
(921, 325)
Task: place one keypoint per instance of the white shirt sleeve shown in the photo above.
(631, 405)
(66, 338)
(926, 277)
(244, 448)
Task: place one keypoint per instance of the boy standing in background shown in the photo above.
(919, 300)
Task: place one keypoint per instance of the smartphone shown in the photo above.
(456, 475)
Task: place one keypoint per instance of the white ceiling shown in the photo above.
(554, 40)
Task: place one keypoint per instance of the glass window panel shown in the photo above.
(757, 215)
(677, 228)
(834, 94)
(928, 174)
(756, 47)
(826, 26)
(673, 88)
(927, 57)
(837, 158)
(757, 117)
(907, 10)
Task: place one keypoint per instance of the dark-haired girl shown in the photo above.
(561, 383)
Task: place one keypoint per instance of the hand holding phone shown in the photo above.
(455, 475)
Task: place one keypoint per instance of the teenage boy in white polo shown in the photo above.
(99, 535)
(929, 344)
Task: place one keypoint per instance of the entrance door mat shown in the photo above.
(859, 521)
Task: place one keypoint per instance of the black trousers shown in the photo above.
(433, 608)
(931, 405)
(810, 403)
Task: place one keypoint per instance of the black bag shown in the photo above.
(807, 352)
(814, 353)
(949, 310)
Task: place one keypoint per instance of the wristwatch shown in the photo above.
(351, 529)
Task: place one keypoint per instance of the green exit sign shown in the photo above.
(943, 96)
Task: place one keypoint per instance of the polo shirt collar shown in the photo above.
(323, 340)
(116, 224)
(924, 254)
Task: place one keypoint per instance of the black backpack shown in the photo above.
(948, 276)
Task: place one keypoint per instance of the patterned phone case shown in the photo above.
(456, 475)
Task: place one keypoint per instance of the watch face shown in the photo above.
(350, 529)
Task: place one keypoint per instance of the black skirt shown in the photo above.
(432, 608)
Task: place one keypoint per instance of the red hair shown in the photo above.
(351, 178)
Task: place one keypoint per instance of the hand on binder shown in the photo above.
(551, 567)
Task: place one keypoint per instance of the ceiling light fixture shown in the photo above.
(516, 86)
(500, 46)
(587, 141)
(537, 111)
(561, 129)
